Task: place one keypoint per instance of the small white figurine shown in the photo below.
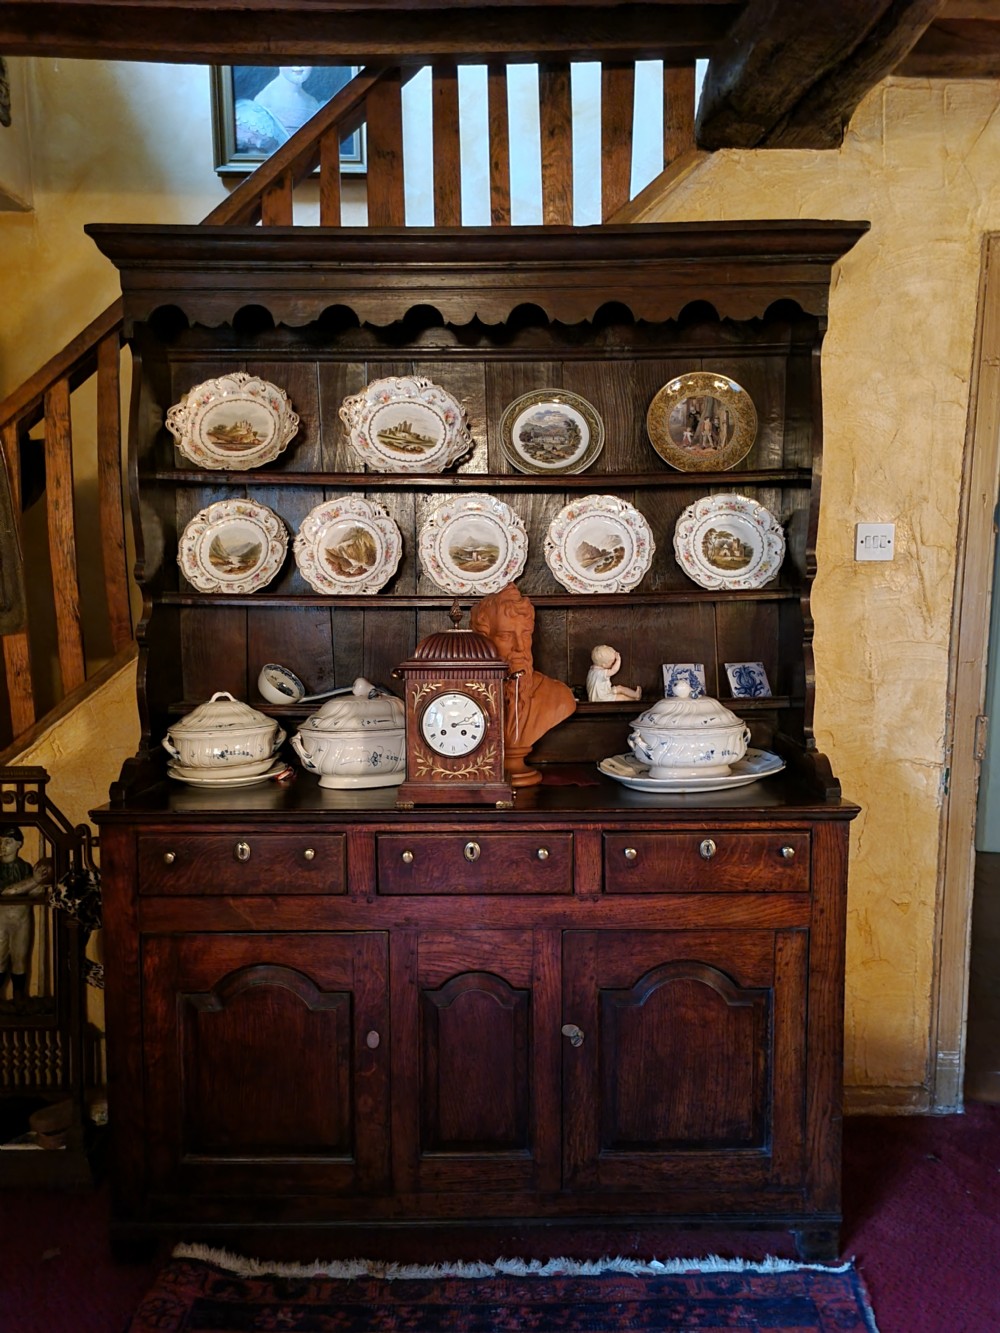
(605, 662)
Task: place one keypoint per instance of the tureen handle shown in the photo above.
(170, 748)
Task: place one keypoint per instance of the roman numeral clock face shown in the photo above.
(453, 724)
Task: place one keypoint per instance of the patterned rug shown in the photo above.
(209, 1291)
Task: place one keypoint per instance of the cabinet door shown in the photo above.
(476, 1061)
(690, 1071)
(267, 1063)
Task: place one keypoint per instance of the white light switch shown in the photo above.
(874, 541)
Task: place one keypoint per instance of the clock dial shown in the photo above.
(453, 724)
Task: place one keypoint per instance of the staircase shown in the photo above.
(46, 631)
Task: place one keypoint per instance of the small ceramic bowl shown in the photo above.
(222, 733)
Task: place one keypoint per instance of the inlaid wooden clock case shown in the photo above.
(327, 1015)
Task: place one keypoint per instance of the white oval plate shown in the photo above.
(473, 544)
(551, 430)
(406, 424)
(226, 780)
(729, 541)
(234, 546)
(599, 544)
(349, 545)
(627, 770)
(237, 421)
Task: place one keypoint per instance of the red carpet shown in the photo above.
(192, 1296)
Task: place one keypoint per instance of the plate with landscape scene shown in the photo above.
(702, 422)
(232, 546)
(349, 545)
(406, 424)
(236, 421)
(473, 544)
(729, 541)
(599, 544)
(551, 430)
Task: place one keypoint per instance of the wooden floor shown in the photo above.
(982, 1055)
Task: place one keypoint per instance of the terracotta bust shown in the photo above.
(533, 702)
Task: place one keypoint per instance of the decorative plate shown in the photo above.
(551, 430)
(232, 546)
(349, 545)
(702, 422)
(406, 425)
(236, 422)
(275, 770)
(599, 544)
(473, 544)
(627, 770)
(728, 541)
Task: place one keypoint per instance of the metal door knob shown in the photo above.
(542, 853)
(169, 858)
(630, 854)
(372, 1040)
(407, 858)
(788, 852)
(309, 854)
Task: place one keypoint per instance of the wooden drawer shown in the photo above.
(484, 863)
(241, 862)
(706, 861)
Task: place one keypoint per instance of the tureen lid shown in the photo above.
(366, 708)
(221, 713)
(682, 712)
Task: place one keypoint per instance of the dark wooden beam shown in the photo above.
(397, 31)
(791, 75)
(956, 49)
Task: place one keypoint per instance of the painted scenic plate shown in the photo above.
(551, 430)
(473, 544)
(349, 545)
(729, 541)
(599, 544)
(406, 424)
(234, 546)
(627, 770)
(237, 422)
(702, 422)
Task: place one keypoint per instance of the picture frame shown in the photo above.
(246, 128)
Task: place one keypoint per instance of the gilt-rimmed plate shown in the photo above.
(234, 546)
(551, 430)
(755, 764)
(473, 544)
(702, 422)
(236, 421)
(406, 424)
(729, 541)
(599, 544)
(349, 545)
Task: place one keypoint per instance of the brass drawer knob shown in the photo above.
(169, 858)
(242, 851)
(543, 853)
(372, 1040)
(407, 858)
(788, 852)
(472, 851)
(707, 849)
(574, 1033)
(309, 854)
(630, 854)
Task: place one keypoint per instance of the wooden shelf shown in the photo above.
(443, 600)
(464, 481)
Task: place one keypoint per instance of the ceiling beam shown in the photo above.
(791, 75)
(956, 49)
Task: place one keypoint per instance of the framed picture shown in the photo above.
(257, 108)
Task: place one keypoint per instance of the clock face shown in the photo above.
(453, 724)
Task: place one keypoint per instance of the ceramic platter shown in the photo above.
(627, 770)
(234, 546)
(599, 544)
(236, 422)
(729, 541)
(227, 780)
(473, 544)
(349, 545)
(551, 430)
(702, 422)
(406, 425)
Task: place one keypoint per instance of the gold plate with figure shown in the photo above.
(702, 422)
(551, 431)
(233, 546)
(349, 545)
(729, 541)
(234, 422)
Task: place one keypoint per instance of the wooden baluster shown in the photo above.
(62, 534)
(447, 147)
(678, 111)
(16, 650)
(109, 489)
(276, 203)
(556, 118)
(329, 179)
(496, 83)
(386, 203)
(617, 111)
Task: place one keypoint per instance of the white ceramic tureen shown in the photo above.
(685, 737)
(358, 740)
(223, 734)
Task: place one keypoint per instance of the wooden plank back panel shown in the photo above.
(556, 119)
(62, 535)
(678, 111)
(16, 648)
(386, 203)
(276, 202)
(617, 107)
(109, 489)
(499, 131)
(447, 147)
(329, 179)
